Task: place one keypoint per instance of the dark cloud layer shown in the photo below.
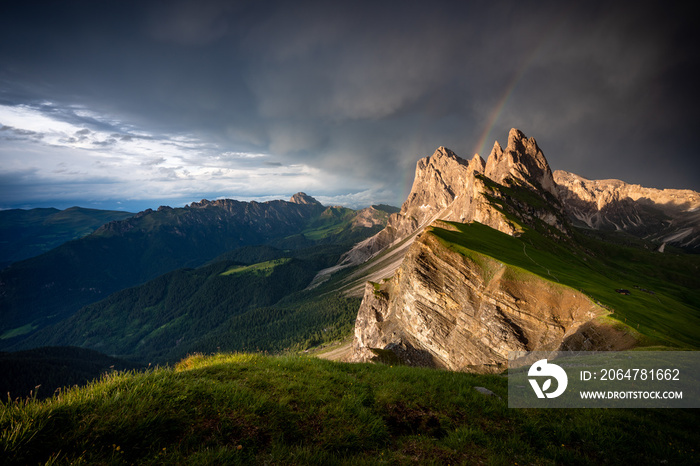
(361, 90)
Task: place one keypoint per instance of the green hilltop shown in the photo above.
(254, 409)
(664, 289)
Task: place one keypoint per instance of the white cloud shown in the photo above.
(360, 199)
(242, 155)
(111, 159)
(29, 119)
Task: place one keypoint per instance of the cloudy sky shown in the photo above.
(134, 104)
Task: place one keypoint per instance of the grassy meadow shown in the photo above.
(664, 300)
(252, 409)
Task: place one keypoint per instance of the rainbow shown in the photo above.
(496, 112)
(510, 87)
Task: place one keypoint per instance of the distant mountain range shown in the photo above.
(28, 233)
(664, 216)
(48, 288)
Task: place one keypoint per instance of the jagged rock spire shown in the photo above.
(522, 159)
(447, 187)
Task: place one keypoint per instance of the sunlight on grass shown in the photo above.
(668, 315)
(263, 269)
(15, 332)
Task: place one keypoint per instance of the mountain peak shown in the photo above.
(443, 151)
(477, 164)
(303, 198)
(447, 187)
(516, 137)
(522, 159)
(436, 180)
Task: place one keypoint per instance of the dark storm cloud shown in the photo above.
(361, 90)
(192, 23)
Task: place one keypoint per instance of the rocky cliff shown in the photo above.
(445, 309)
(521, 160)
(661, 215)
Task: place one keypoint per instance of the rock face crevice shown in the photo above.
(443, 309)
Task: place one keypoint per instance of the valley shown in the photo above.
(46, 289)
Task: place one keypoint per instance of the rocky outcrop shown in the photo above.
(369, 217)
(443, 309)
(448, 187)
(662, 215)
(438, 180)
(522, 160)
(304, 199)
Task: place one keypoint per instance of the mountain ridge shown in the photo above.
(28, 233)
(410, 310)
(45, 289)
(666, 216)
(448, 187)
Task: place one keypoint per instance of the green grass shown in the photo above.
(670, 316)
(335, 224)
(332, 222)
(263, 269)
(253, 409)
(15, 332)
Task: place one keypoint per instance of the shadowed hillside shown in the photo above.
(28, 233)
